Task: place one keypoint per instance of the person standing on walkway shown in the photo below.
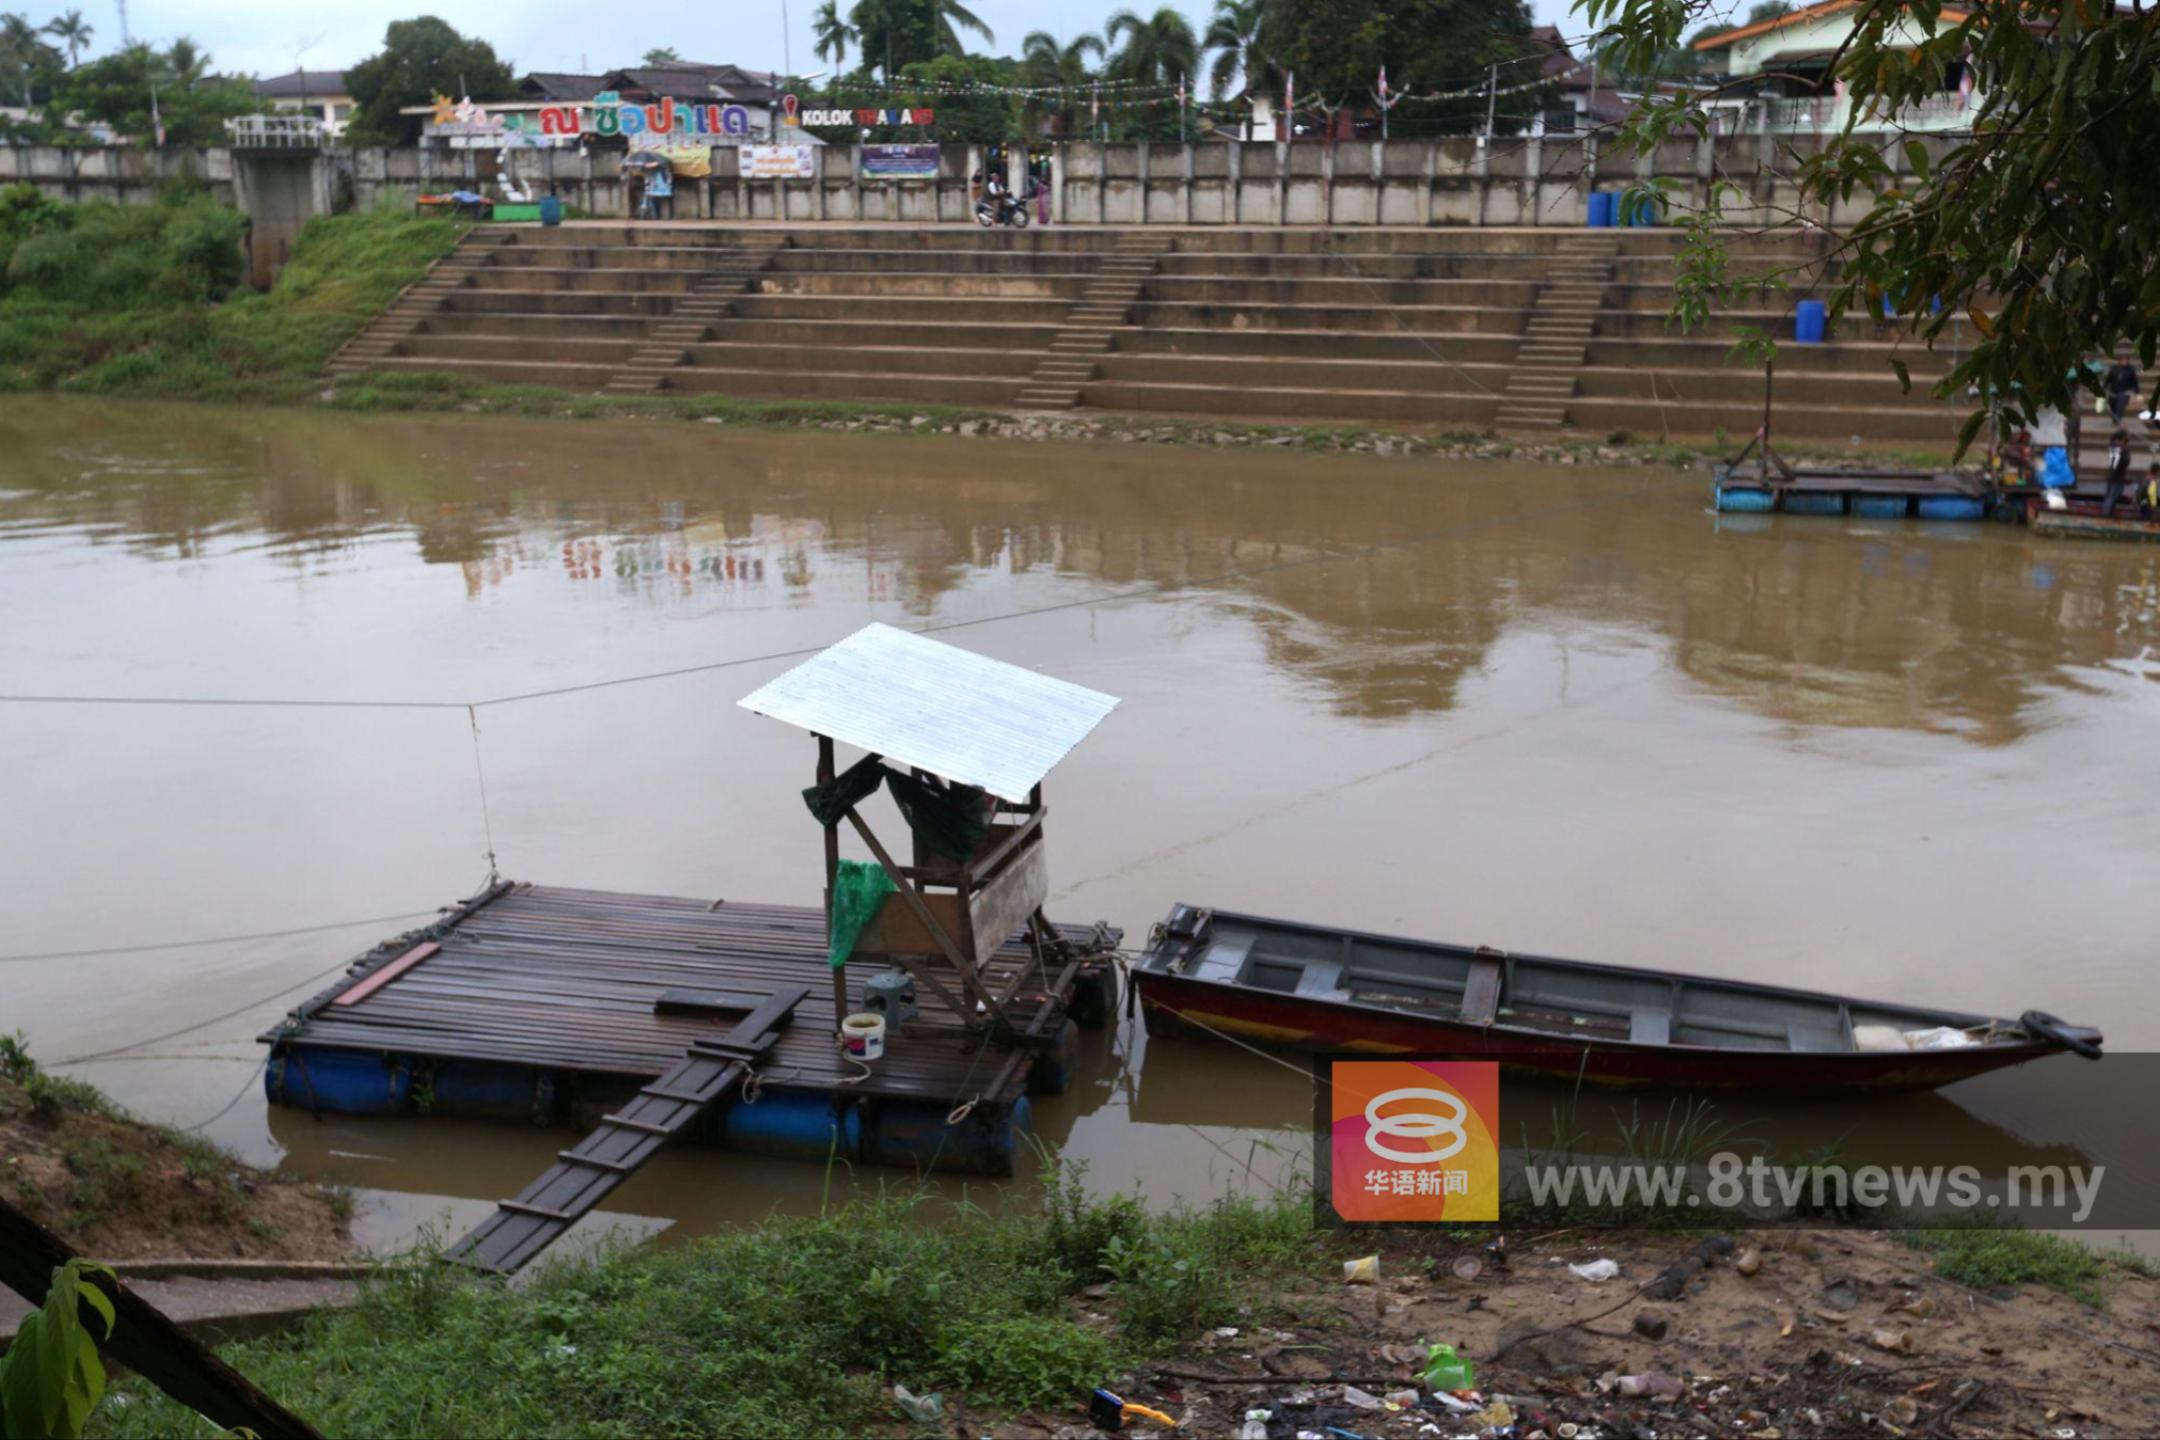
(2118, 470)
(2121, 385)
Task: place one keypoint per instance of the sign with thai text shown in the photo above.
(900, 162)
(777, 162)
(609, 114)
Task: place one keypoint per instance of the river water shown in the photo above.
(1551, 708)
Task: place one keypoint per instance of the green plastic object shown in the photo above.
(858, 890)
(515, 212)
(1445, 1370)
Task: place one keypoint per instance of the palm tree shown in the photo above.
(952, 17)
(1238, 37)
(21, 49)
(73, 33)
(830, 33)
(1045, 64)
(1160, 50)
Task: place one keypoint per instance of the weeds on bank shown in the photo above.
(1995, 1258)
(794, 1327)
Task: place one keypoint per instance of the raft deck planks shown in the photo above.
(567, 979)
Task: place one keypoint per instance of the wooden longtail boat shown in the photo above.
(1308, 987)
(2084, 520)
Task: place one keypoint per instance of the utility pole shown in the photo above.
(1492, 94)
(125, 42)
(787, 54)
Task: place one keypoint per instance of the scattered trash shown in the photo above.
(1901, 1410)
(1672, 1282)
(1401, 1399)
(1655, 1385)
(1255, 1426)
(1353, 1396)
(1597, 1270)
(1496, 1252)
(928, 1410)
(1396, 1354)
(1468, 1267)
(1362, 1272)
(1748, 1262)
(1226, 1332)
(1496, 1416)
(1920, 1307)
(1107, 1411)
(1567, 1430)
(1649, 1326)
(1445, 1370)
(1896, 1341)
(1455, 1404)
(1839, 1295)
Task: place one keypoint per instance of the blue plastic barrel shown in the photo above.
(1640, 210)
(802, 1125)
(1745, 499)
(1951, 507)
(551, 210)
(1814, 502)
(1810, 321)
(1601, 209)
(1879, 507)
(337, 1082)
(915, 1134)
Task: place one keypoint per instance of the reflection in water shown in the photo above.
(1555, 709)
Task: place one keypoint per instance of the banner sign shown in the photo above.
(900, 162)
(793, 113)
(609, 114)
(777, 162)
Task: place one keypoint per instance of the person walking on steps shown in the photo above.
(2118, 470)
(2121, 385)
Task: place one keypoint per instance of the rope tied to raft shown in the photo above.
(961, 1112)
(487, 823)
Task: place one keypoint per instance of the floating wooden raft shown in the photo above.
(573, 981)
(587, 1173)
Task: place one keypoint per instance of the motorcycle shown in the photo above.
(1002, 209)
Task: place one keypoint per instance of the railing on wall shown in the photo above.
(275, 132)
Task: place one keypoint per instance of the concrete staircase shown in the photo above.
(1556, 338)
(380, 337)
(692, 318)
(1530, 329)
(1106, 303)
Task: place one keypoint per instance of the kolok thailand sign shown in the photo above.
(609, 114)
(793, 113)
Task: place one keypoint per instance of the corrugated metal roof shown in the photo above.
(936, 707)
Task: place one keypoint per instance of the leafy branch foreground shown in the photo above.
(794, 1327)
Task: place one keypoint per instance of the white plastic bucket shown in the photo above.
(864, 1035)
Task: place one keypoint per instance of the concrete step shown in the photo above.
(1036, 399)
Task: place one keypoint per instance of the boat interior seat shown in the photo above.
(1812, 1038)
(1481, 993)
(1322, 978)
(1650, 1025)
(1224, 960)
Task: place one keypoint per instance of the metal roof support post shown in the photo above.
(825, 774)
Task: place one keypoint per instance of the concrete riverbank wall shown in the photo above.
(1444, 181)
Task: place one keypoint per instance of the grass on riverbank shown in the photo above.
(143, 299)
(117, 1187)
(795, 1327)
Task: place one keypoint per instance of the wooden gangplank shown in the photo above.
(585, 1174)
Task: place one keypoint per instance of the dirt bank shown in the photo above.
(119, 1189)
(1820, 1334)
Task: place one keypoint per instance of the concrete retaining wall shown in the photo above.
(1447, 181)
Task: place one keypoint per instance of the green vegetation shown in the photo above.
(1995, 1258)
(795, 1327)
(140, 298)
(51, 1378)
(421, 59)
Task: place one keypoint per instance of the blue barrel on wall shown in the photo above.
(1601, 209)
(551, 210)
(1810, 321)
(1636, 210)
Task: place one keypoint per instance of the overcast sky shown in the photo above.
(261, 36)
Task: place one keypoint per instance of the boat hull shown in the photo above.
(1175, 1005)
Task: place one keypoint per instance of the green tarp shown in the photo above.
(858, 890)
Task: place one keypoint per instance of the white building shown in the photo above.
(1793, 53)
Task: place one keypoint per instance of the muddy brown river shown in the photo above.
(1551, 708)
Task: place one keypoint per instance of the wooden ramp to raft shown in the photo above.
(587, 1173)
